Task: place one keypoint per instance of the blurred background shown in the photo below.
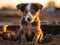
(9, 15)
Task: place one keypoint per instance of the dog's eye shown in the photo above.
(32, 11)
(26, 11)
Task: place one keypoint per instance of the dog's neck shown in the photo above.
(35, 23)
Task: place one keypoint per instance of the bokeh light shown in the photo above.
(13, 3)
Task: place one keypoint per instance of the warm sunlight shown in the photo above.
(13, 3)
(57, 3)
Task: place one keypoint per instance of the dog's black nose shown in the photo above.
(29, 19)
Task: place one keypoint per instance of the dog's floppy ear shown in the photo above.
(40, 6)
(37, 6)
(21, 6)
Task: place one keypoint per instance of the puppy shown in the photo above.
(30, 22)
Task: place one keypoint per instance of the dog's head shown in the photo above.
(29, 10)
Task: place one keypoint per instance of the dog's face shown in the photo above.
(29, 11)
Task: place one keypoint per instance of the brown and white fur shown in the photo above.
(30, 22)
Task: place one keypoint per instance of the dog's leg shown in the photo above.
(38, 36)
(20, 37)
(23, 35)
(23, 38)
(41, 35)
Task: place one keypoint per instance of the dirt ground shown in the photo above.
(55, 40)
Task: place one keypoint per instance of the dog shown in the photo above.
(30, 22)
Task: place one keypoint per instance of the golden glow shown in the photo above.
(5, 28)
(15, 2)
(57, 3)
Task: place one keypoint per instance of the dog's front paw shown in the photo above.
(34, 40)
(23, 38)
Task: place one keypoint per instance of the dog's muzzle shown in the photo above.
(29, 18)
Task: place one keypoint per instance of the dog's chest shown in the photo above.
(28, 27)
